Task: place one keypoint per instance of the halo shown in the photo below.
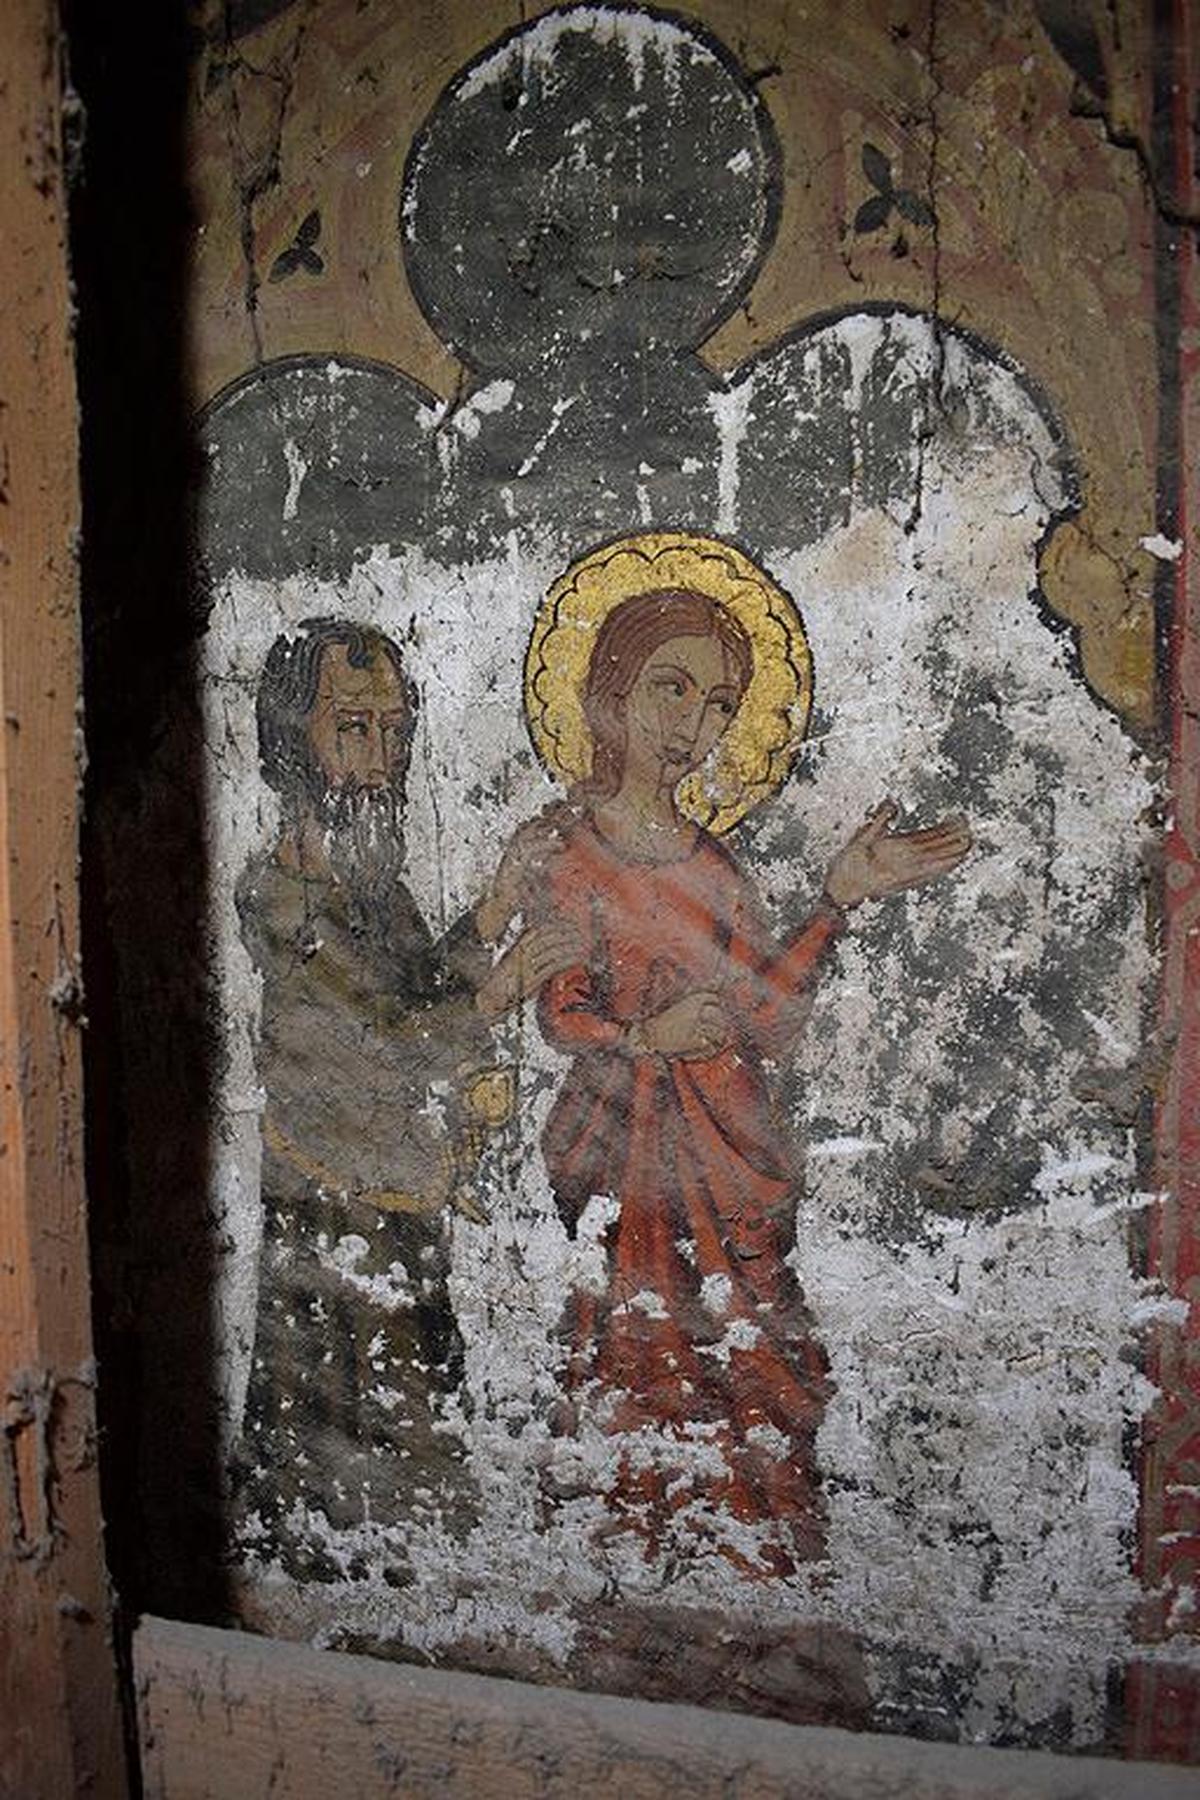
(752, 759)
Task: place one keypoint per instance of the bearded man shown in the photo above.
(375, 1058)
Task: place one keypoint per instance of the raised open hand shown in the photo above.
(879, 861)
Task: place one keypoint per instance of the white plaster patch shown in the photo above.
(648, 1302)
(730, 411)
(637, 34)
(297, 469)
(391, 1288)
(493, 398)
(716, 1291)
(739, 1334)
(1164, 548)
(557, 412)
(770, 1439)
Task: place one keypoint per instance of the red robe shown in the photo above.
(701, 1333)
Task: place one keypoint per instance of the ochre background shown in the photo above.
(1044, 242)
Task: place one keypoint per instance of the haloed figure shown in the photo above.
(700, 1342)
(375, 1058)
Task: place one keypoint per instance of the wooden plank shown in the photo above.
(1163, 1696)
(224, 1715)
(60, 1729)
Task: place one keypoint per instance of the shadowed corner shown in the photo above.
(149, 1049)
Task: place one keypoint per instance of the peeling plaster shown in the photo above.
(980, 1351)
(971, 1173)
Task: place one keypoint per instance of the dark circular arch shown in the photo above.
(455, 304)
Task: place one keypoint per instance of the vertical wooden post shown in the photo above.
(1163, 1692)
(59, 1712)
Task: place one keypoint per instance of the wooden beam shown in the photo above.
(60, 1729)
(227, 1716)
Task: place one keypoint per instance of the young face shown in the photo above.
(359, 724)
(683, 699)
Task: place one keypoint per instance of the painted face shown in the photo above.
(359, 724)
(685, 695)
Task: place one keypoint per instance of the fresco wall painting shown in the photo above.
(684, 793)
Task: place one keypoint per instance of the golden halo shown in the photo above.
(754, 755)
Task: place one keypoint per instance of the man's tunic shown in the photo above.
(369, 1034)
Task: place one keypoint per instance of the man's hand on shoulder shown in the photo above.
(540, 953)
(519, 886)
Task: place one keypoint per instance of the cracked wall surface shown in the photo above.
(860, 300)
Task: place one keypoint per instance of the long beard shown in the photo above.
(364, 838)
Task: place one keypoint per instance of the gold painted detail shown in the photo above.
(489, 1100)
(754, 756)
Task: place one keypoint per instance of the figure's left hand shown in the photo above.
(695, 1027)
(879, 861)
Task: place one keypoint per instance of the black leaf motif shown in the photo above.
(873, 213)
(300, 253)
(877, 168)
(285, 264)
(913, 208)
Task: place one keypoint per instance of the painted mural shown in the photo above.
(680, 934)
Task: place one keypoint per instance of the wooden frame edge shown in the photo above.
(224, 1715)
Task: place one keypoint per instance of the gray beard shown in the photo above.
(364, 838)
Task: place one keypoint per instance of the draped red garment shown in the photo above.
(702, 1335)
